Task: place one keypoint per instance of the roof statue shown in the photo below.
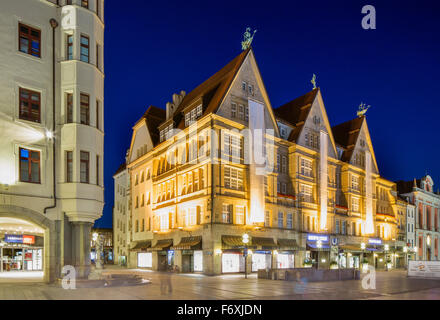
(362, 109)
(313, 81)
(247, 39)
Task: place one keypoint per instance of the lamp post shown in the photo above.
(319, 246)
(405, 251)
(245, 240)
(386, 248)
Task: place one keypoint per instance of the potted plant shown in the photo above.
(333, 264)
(307, 263)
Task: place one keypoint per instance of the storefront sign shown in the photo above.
(14, 238)
(317, 237)
(334, 241)
(424, 269)
(375, 241)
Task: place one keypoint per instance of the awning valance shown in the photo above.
(233, 241)
(140, 245)
(288, 243)
(162, 244)
(324, 247)
(263, 242)
(189, 243)
(350, 247)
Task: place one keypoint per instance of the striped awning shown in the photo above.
(288, 243)
(264, 242)
(162, 244)
(189, 243)
(141, 245)
(233, 241)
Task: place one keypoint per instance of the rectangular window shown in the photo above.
(306, 167)
(85, 3)
(280, 220)
(241, 112)
(355, 204)
(69, 47)
(232, 146)
(69, 166)
(85, 109)
(192, 216)
(29, 40)
(97, 114)
(337, 226)
(233, 110)
(226, 213)
(84, 167)
(355, 182)
(306, 193)
(98, 6)
(289, 221)
(69, 108)
(85, 49)
(284, 164)
(239, 215)
(164, 221)
(267, 219)
(97, 56)
(30, 105)
(29, 166)
(233, 178)
(283, 188)
(344, 227)
(97, 170)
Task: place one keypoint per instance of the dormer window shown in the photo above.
(243, 86)
(166, 133)
(193, 115)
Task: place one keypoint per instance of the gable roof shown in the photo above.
(296, 112)
(154, 116)
(346, 135)
(406, 186)
(121, 168)
(212, 91)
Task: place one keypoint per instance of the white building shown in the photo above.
(121, 215)
(51, 123)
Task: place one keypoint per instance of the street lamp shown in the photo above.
(245, 240)
(386, 248)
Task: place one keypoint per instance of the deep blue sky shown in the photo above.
(156, 48)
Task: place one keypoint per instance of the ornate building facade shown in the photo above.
(316, 196)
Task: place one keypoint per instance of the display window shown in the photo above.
(260, 261)
(285, 261)
(232, 262)
(145, 260)
(198, 261)
(21, 259)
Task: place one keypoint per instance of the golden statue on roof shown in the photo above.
(247, 39)
(362, 109)
(313, 81)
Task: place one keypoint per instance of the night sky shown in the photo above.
(156, 48)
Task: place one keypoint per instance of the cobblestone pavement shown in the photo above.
(389, 285)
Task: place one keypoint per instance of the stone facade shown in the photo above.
(63, 193)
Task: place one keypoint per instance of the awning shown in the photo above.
(288, 243)
(233, 241)
(141, 245)
(373, 249)
(162, 244)
(189, 243)
(264, 242)
(324, 247)
(350, 247)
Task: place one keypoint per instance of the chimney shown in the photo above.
(171, 107)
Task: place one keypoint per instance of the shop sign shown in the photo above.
(375, 241)
(317, 237)
(15, 238)
(334, 241)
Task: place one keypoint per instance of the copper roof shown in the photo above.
(296, 111)
(212, 91)
(154, 116)
(346, 135)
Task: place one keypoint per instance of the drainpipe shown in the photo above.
(54, 25)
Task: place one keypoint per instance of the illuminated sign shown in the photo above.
(374, 241)
(14, 238)
(317, 237)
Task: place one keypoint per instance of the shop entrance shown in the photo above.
(21, 247)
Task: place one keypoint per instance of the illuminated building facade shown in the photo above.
(121, 237)
(427, 205)
(317, 195)
(51, 119)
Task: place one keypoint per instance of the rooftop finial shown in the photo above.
(313, 81)
(247, 39)
(362, 109)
